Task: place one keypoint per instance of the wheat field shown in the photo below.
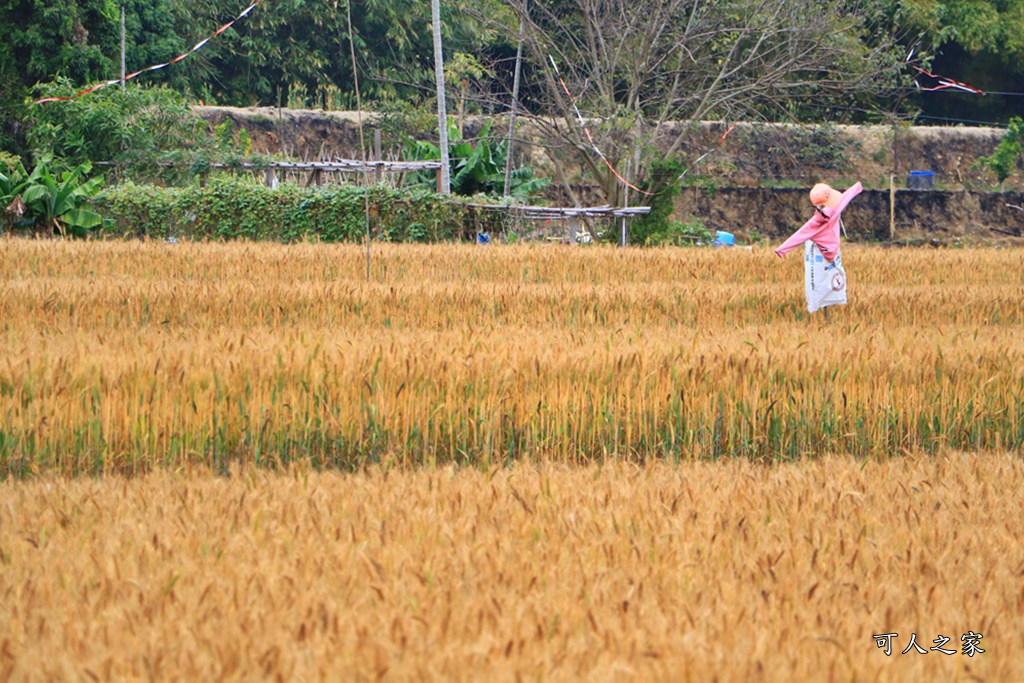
(252, 462)
(122, 356)
(729, 571)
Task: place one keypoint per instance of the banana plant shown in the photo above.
(12, 184)
(475, 169)
(59, 204)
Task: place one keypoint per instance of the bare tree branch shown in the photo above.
(634, 66)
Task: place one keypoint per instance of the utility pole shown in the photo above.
(123, 72)
(442, 113)
(515, 104)
(362, 140)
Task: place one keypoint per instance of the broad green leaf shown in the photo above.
(82, 218)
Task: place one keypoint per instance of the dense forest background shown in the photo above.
(611, 90)
(296, 52)
(633, 68)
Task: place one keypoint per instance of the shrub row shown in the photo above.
(234, 209)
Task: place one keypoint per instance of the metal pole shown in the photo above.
(362, 140)
(442, 112)
(515, 104)
(892, 207)
(377, 156)
(623, 237)
(123, 71)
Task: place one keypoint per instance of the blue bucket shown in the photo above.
(724, 239)
(921, 180)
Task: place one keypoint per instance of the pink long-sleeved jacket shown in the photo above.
(822, 230)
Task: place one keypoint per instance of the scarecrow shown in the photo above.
(824, 277)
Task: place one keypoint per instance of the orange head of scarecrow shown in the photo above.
(824, 196)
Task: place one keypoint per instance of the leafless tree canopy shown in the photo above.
(633, 66)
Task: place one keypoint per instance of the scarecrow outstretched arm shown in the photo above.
(850, 193)
(806, 232)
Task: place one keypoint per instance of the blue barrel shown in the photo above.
(724, 239)
(921, 180)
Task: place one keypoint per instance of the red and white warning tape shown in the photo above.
(155, 67)
(946, 83)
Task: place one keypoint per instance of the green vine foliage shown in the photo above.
(235, 209)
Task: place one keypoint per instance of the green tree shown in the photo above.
(1007, 155)
(284, 51)
(298, 50)
(130, 128)
(994, 26)
(44, 38)
(74, 38)
(979, 42)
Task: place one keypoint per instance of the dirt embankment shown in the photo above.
(939, 218)
(755, 182)
(297, 133)
(755, 179)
